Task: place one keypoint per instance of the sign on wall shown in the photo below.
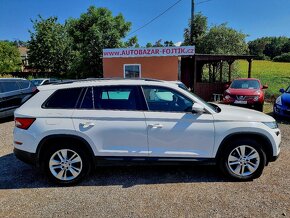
(148, 52)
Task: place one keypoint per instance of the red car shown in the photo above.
(245, 92)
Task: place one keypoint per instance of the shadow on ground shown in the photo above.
(15, 174)
(6, 119)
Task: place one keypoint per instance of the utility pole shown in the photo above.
(192, 22)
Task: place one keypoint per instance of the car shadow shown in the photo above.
(15, 174)
(6, 119)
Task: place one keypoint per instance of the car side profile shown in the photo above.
(68, 129)
(44, 81)
(13, 93)
(245, 92)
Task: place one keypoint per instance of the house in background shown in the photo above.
(173, 63)
(24, 58)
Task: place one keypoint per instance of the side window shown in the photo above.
(24, 84)
(63, 99)
(164, 99)
(132, 70)
(116, 98)
(9, 86)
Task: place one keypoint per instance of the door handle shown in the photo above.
(87, 124)
(155, 126)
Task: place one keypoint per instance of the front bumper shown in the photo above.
(26, 157)
(281, 110)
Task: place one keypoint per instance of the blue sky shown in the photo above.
(256, 18)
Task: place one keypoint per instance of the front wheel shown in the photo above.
(243, 160)
(66, 165)
(259, 107)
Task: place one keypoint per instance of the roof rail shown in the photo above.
(102, 79)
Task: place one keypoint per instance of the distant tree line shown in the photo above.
(271, 48)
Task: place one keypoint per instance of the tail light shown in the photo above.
(34, 90)
(23, 123)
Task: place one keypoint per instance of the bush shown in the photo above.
(5, 75)
(282, 58)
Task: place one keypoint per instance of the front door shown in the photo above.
(110, 118)
(173, 130)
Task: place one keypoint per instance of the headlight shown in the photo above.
(228, 91)
(272, 125)
(278, 100)
(258, 92)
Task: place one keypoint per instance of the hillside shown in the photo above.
(276, 75)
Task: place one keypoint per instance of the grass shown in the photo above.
(274, 74)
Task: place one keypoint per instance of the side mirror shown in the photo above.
(226, 86)
(265, 86)
(197, 108)
(282, 90)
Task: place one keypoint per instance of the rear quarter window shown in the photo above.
(63, 99)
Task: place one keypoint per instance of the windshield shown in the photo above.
(245, 84)
(210, 105)
(37, 82)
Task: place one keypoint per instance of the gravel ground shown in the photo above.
(180, 191)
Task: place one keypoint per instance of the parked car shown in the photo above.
(245, 92)
(13, 93)
(44, 81)
(148, 121)
(282, 103)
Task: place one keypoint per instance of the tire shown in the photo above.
(260, 107)
(66, 164)
(240, 167)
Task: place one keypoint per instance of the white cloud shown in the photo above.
(177, 43)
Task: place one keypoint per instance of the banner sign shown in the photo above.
(148, 52)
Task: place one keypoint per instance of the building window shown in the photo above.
(132, 70)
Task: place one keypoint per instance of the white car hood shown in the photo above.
(234, 113)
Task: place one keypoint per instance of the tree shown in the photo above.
(200, 29)
(286, 47)
(274, 48)
(132, 42)
(223, 40)
(169, 44)
(257, 47)
(149, 45)
(49, 46)
(10, 59)
(91, 33)
(158, 43)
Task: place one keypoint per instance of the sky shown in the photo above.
(257, 18)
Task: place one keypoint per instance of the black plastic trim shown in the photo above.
(27, 157)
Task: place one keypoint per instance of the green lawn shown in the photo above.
(276, 75)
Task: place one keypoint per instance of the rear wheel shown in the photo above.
(243, 160)
(67, 164)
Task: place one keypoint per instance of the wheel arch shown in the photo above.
(267, 145)
(62, 137)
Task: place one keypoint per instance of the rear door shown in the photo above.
(111, 118)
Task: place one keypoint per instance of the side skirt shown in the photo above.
(132, 161)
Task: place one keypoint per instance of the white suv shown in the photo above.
(68, 129)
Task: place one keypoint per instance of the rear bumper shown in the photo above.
(27, 157)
